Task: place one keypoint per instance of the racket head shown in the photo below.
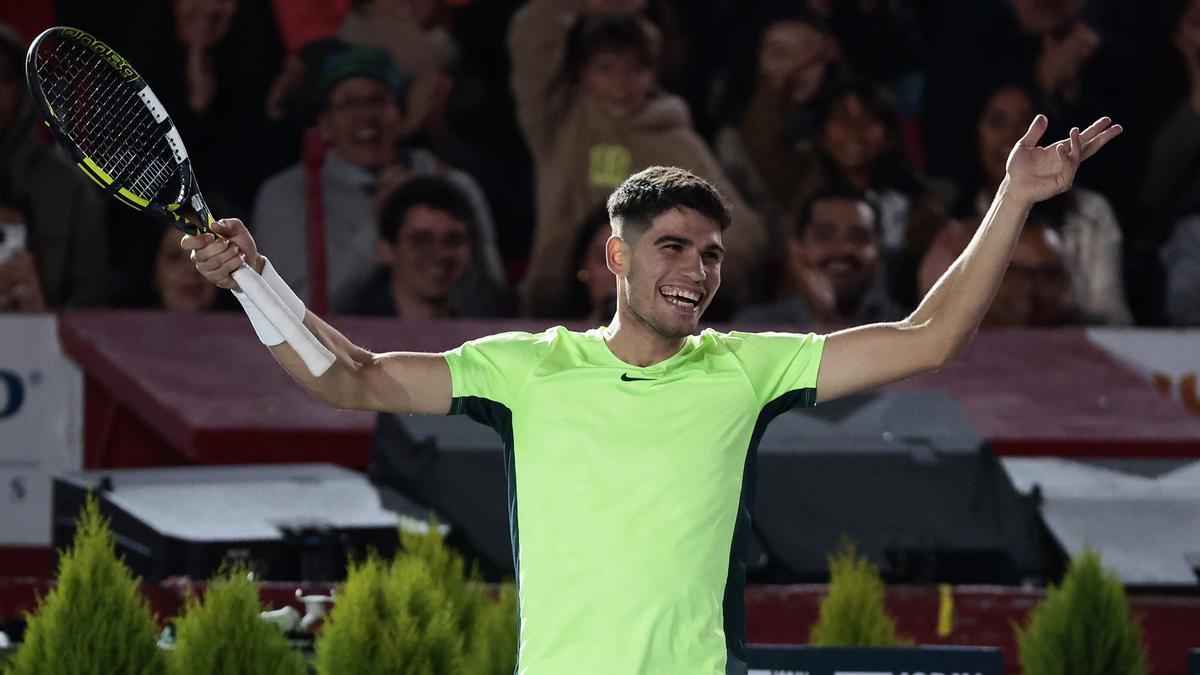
(103, 113)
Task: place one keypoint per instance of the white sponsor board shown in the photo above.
(41, 423)
(1170, 358)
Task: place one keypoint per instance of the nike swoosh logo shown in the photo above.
(626, 378)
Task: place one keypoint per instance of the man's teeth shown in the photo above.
(681, 297)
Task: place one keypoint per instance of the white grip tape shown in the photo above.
(312, 352)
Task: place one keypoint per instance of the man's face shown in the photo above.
(671, 272)
(840, 241)
(1033, 292)
(430, 255)
(360, 122)
(618, 81)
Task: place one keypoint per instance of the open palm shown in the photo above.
(1038, 173)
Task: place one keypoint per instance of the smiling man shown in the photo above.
(835, 266)
(630, 448)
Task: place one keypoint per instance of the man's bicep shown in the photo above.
(410, 382)
(866, 357)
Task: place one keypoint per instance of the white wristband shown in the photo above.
(266, 331)
(267, 334)
(293, 302)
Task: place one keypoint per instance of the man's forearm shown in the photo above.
(337, 385)
(953, 308)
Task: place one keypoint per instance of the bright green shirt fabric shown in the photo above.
(630, 490)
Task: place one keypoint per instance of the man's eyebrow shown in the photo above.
(676, 239)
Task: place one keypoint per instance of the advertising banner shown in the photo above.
(41, 423)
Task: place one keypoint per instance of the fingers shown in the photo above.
(1101, 139)
(1036, 128)
(1095, 129)
(215, 259)
(228, 227)
(1076, 146)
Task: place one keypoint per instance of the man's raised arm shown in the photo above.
(395, 381)
(870, 356)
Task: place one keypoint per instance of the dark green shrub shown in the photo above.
(1083, 626)
(361, 632)
(488, 626)
(423, 613)
(853, 613)
(93, 622)
(223, 634)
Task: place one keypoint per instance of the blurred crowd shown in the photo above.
(451, 158)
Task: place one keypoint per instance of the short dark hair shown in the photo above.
(804, 211)
(606, 33)
(428, 191)
(653, 191)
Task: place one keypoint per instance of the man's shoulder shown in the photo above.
(791, 312)
(288, 182)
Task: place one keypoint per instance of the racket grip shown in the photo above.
(316, 357)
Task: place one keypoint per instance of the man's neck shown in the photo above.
(635, 343)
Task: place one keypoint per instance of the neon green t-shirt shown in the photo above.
(630, 490)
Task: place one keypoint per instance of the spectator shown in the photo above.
(860, 147)
(1181, 258)
(592, 114)
(1035, 288)
(63, 262)
(1084, 220)
(760, 149)
(361, 122)
(595, 294)
(177, 284)
(834, 259)
(1033, 293)
(426, 242)
(412, 31)
(212, 69)
(1079, 73)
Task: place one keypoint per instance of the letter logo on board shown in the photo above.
(12, 394)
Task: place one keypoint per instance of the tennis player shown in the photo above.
(630, 448)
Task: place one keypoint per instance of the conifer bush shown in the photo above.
(93, 622)
(423, 613)
(223, 634)
(853, 613)
(1083, 626)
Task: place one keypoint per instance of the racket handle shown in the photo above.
(314, 354)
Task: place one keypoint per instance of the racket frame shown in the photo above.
(191, 214)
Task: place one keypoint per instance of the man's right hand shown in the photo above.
(218, 258)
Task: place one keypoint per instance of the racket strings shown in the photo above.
(102, 114)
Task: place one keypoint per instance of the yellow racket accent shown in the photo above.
(88, 172)
(134, 198)
(100, 173)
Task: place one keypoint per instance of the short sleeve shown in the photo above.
(493, 368)
(780, 363)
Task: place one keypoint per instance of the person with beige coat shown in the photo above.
(588, 105)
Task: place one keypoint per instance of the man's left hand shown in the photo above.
(1037, 173)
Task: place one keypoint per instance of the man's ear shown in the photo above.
(617, 254)
(385, 251)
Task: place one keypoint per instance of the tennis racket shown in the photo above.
(103, 113)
